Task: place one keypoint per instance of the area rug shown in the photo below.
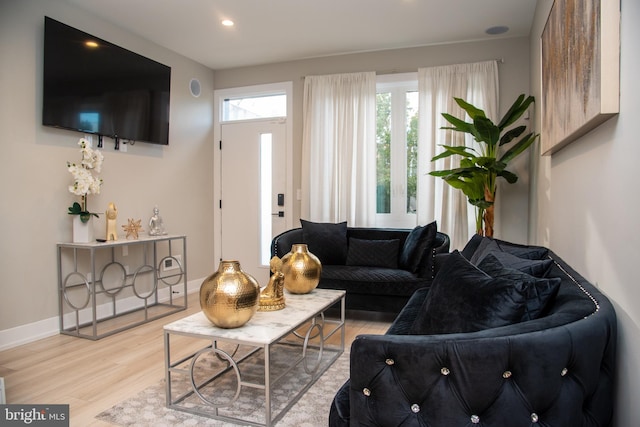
(147, 408)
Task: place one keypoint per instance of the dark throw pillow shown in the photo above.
(490, 245)
(534, 267)
(373, 253)
(415, 255)
(327, 241)
(463, 298)
(539, 292)
(471, 246)
(521, 251)
(486, 245)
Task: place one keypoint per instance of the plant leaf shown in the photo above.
(451, 150)
(471, 110)
(459, 125)
(486, 131)
(517, 109)
(509, 176)
(75, 209)
(512, 134)
(519, 147)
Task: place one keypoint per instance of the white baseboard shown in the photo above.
(30, 332)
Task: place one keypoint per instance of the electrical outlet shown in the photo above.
(170, 263)
(125, 250)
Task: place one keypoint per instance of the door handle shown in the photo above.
(279, 214)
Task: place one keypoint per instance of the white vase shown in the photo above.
(82, 231)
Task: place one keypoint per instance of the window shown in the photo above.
(396, 150)
(254, 107)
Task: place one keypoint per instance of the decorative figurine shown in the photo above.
(156, 226)
(133, 228)
(112, 216)
(272, 296)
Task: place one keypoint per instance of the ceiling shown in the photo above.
(269, 31)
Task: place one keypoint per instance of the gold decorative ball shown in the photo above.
(301, 270)
(229, 297)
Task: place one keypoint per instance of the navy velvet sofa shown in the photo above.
(555, 369)
(376, 276)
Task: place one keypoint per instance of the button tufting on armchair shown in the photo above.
(555, 370)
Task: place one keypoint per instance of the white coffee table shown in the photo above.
(272, 350)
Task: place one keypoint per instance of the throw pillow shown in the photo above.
(373, 253)
(534, 267)
(539, 292)
(471, 246)
(463, 298)
(521, 251)
(488, 244)
(415, 253)
(327, 241)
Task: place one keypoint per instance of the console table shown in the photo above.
(102, 289)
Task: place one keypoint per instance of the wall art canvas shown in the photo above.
(580, 69)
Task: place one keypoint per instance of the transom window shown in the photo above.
(254, 107)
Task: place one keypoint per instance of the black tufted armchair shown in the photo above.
(554, 371)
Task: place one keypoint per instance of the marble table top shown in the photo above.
(265, 327)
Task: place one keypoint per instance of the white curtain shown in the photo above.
(477, 84)
(338, 149)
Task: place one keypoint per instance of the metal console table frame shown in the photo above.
(261, 335)
(94, 286)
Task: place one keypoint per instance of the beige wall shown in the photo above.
(512, 209)
(34, 180)
(586, 207)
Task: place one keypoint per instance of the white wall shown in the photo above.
(512, 206)
(586, 205)
(33, 176)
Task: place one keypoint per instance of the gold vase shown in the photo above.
(229, 297)
(301, 270)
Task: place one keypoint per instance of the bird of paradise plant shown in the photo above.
(479, 169)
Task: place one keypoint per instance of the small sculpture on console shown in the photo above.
(156, 225)
(133, 228)
(112, 216)
(272, 296)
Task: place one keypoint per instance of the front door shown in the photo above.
(253, 182)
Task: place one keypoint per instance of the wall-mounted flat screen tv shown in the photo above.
(93, 86)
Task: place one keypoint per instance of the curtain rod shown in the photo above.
(396, 71)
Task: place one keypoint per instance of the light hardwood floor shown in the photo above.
(92, 376)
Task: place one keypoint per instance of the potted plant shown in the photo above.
(479, 169)
(85, 182)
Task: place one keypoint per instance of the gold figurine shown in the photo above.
(272, 296)
(133, 228)
(112, 216)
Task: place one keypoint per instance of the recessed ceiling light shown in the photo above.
(499, 29)
(227, 22)
(90, 43)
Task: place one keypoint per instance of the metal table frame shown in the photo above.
(94, 285)
(197, 326)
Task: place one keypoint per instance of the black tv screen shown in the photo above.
(93, 86)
